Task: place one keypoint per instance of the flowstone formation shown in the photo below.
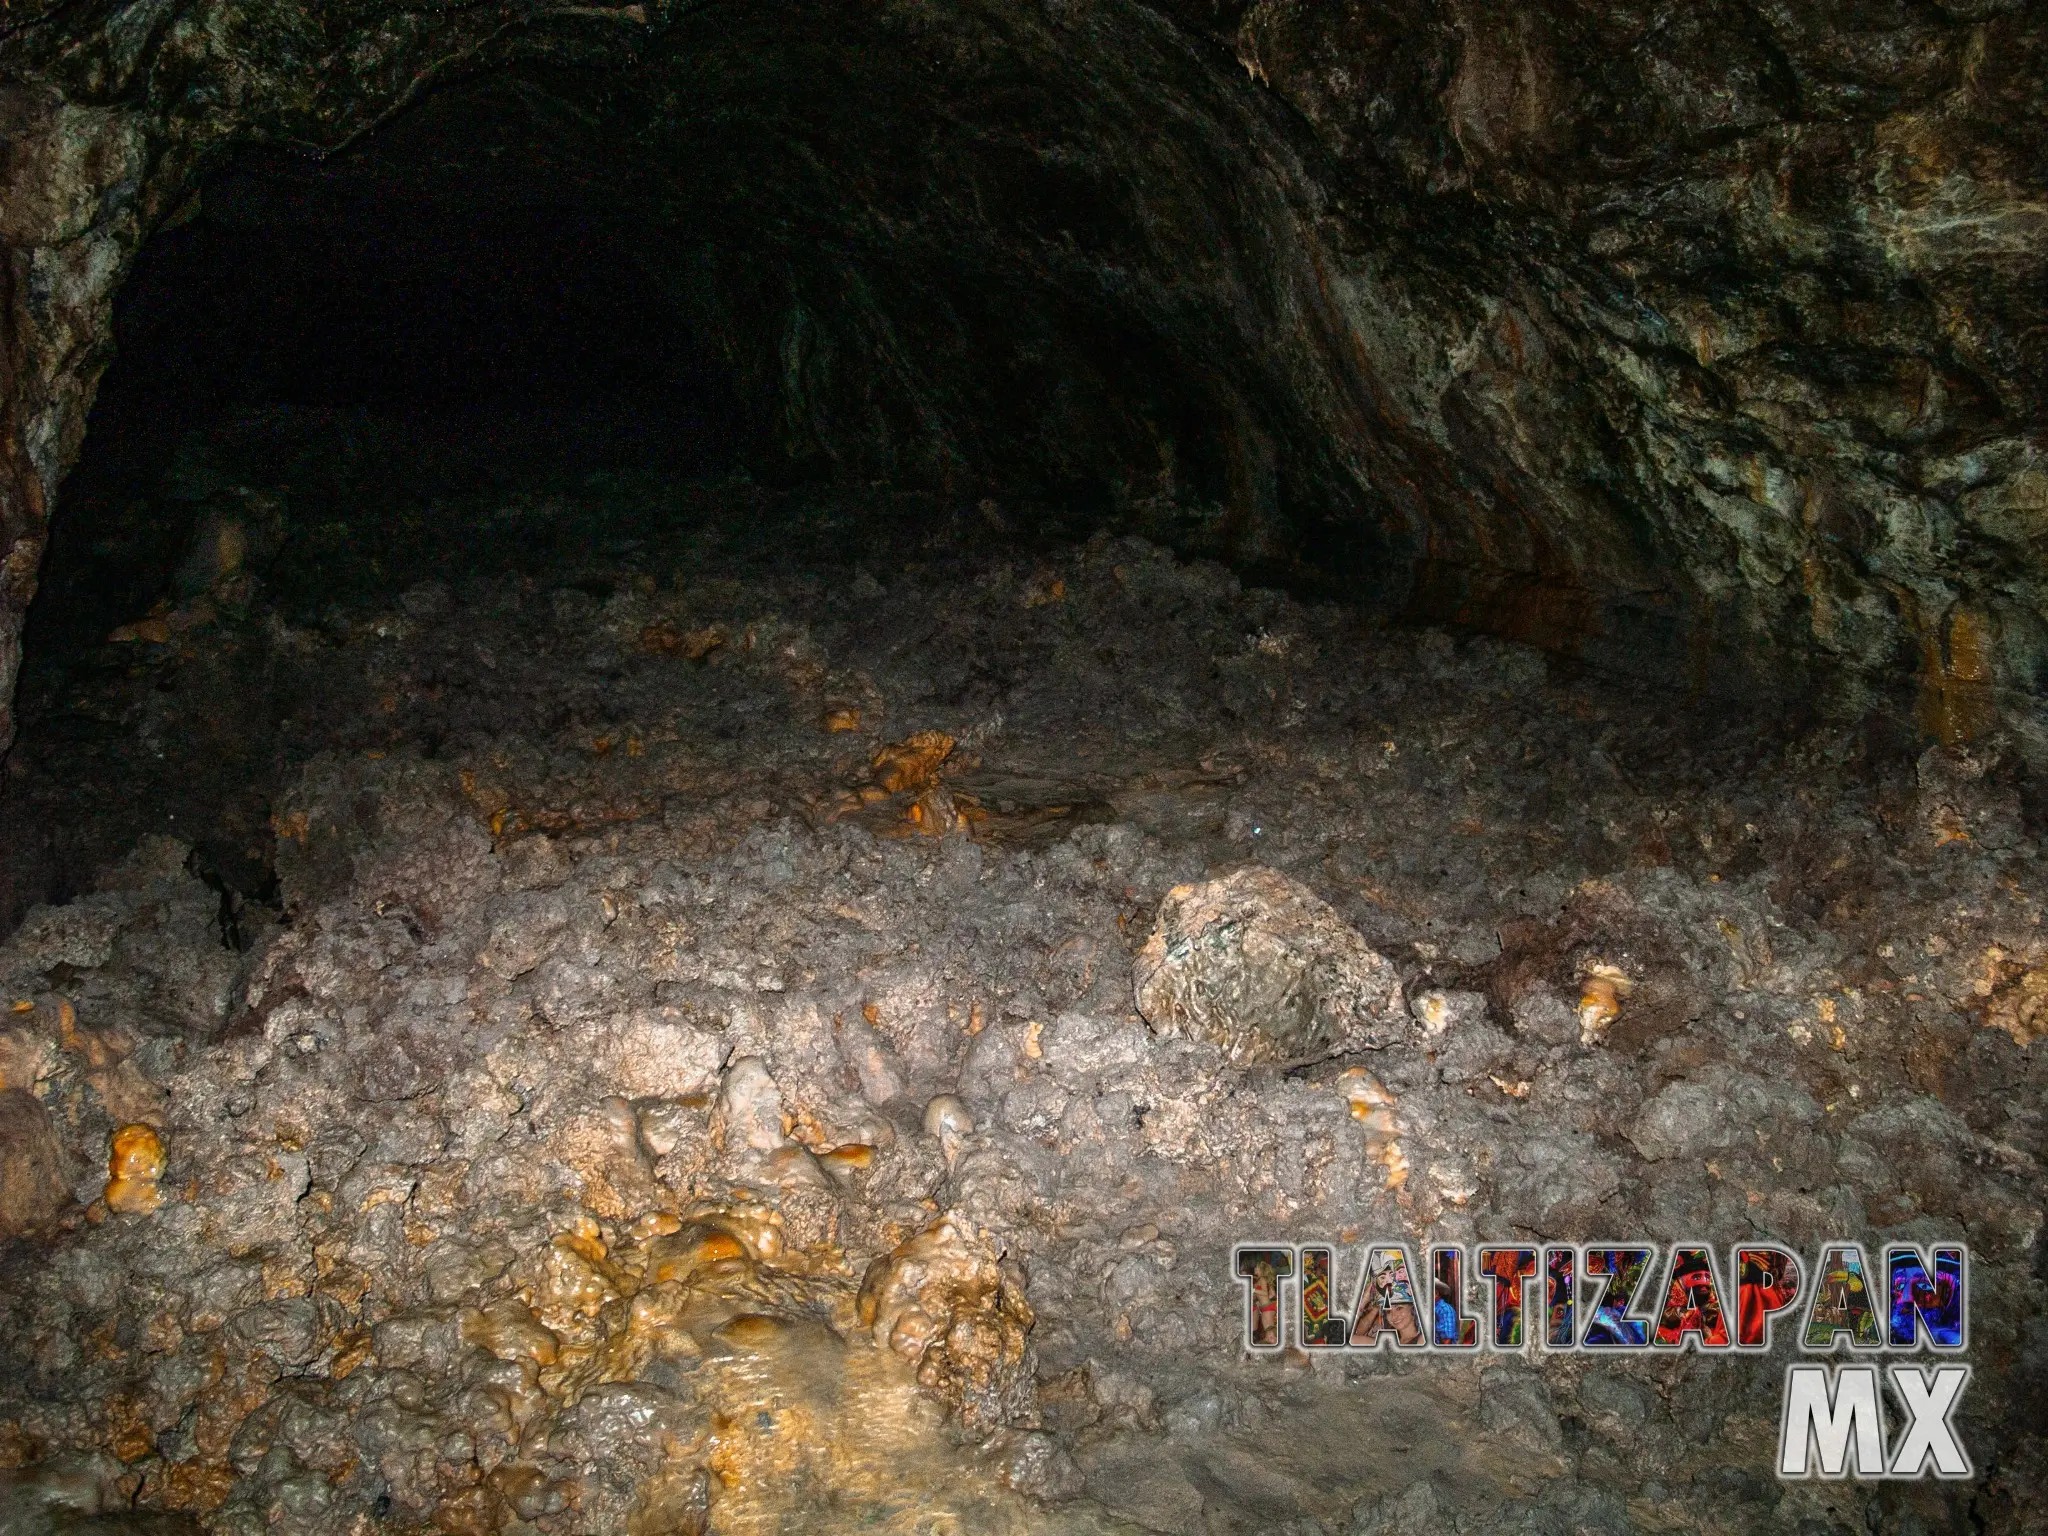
(624, 1120)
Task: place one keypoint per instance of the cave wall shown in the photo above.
(1790, 254)
(1702, 340)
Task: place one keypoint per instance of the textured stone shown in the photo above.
(1263, 967)
(943, 1301)
(34, 1170)
(750, 1108)
(1035, 1464)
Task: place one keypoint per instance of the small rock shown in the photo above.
(1721, 1107)
(1600, 995)
(1034, 1464)
(911, 763)
(1419, 1510)
(1373, 1106)
(870, 1059)
(845, 1161)
(1260, 965)
(1467, 1054)
(947, 1118)
(1543, 1016)
(664, 1125)
(943, 1300)
(794, 1167)
(684, 1254)
(397, 1068)
(1441, 1013)
(1963, 798)
(288, 1330)
(509, 1330)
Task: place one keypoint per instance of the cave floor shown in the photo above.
(530, 1143)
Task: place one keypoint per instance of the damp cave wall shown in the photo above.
(1700, 340)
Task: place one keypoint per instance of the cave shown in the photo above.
(1022, 765)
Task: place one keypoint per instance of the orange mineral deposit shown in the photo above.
(135, 1165)
(913, 762)
(854, 1155)
(1600, 999)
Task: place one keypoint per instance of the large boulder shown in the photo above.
(1260, 965)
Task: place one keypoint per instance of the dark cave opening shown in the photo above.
(540, 277)
(548, 324)
(336, 340)
(438, 361)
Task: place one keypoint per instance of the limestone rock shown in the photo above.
(750, 1108)
(947, 1119)
(1963, 798)
(1035, 1464)
(33, 1167)
(1260, 965)
(943, 1300)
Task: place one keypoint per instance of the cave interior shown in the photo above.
(731, 729)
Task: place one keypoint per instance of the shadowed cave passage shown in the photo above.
(334, 383)
(522, 325)
(744, 724)
(381, 333)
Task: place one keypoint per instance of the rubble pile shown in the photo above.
(815, 1079)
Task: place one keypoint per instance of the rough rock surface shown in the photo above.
(942, 1300)
(1704, 339)
(476, 1216)
(34, 1185)
(1260, 965)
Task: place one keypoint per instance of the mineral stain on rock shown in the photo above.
(135, 1170)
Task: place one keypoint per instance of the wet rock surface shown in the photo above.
(625, 1121)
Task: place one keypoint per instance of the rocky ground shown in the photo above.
(687, 1073)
